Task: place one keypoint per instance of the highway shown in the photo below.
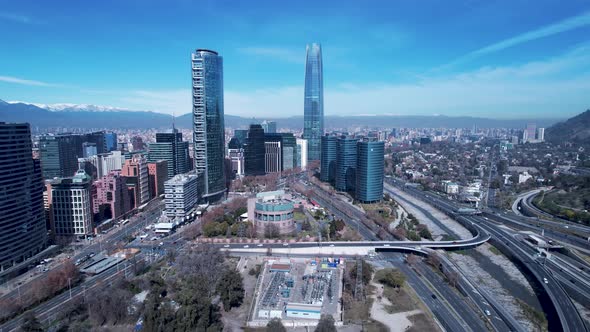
(569, 318)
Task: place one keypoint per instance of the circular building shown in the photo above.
(272, 213)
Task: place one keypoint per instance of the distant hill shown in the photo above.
(97, 117)
(576, 130)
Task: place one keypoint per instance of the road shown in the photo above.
(569, 318)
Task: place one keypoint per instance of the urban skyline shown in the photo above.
(413, 62)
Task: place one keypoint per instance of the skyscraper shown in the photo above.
(208, 125)
(254, 151)
(110, 141)
(59, 155)
(313, 106)
(22, 221)
(369, 171)
(301, 153)
(328, 160)
(269, 127)
(170, 147)
(235, 151)
(346, 154)
(530, 132)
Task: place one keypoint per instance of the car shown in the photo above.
(488, 313)
(386, 245)
(90, 255)
(246, 246)
(331, 245)
(545, 280)
(154, 238)
(259, 245)
(285, 244)
(226, 246)
(433, 296)
(45, 269)
(161, 244)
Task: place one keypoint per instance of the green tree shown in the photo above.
(231, 289)
(30, 323)
(196, 312)
(275, 325)
(326, 324)
(391, 277)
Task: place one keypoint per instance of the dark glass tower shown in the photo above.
(328, 160)
(170, 147)
(369, 171)
(345, 163)
(208, 125)
(254, 151)
(59, 154)
(22, 222)
(313, 105)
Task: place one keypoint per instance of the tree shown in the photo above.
(275, 325)
(30, 323)
(231, 289)
(412, 259)
(433, 260)
(326, 324)
(391, 277)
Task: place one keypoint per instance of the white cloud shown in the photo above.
(22, 81)
(17, 18)
(165, 101)
(283, 54)
(568, 24)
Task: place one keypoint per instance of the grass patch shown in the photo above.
(535, 316)
(401, 300)
(375, 326)
(421, 322)
(495, 250)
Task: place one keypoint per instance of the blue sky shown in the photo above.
(501, 59)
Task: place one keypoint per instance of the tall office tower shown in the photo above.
(110, 140)
(89, 149)
(531, 132)
(301, 153)
(288, 151)
(71, 205)
(254, 151)
(345, 175)
(98, 138)
(22, 217)
(170, 147)
(181, 195)
(59, 155)
(269, 127)
(158, 174)
(208, 125)
(137, 177)
(313, 107)
(110, 198)
(272, 156)
(328, 160)
(241, 135)
(235, 153)
(541, 134)
(369, 171)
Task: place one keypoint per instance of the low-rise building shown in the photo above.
(272, 212)
(71, 205)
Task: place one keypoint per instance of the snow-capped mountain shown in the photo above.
(66, 107)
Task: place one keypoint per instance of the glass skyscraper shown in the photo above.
(369, 171)
(313, 107)
(328, 160)
(208, 125)
(345, 163)
(254, 151)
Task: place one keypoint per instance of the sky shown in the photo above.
(498, 59)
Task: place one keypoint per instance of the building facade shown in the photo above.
(328, 158)
(272, 213)
(270, 127)
(272, 157)
(23, 231)
(71, 205)
(369, 171)
(346, 155)
(110, 198)
(181, 195)
(235, 152)
(59, 155)
(135, 170)
(171, 147)
(158, 174)
(313, 112)
(254, 151)
(301, 153)
(208, 121)
(110, 141)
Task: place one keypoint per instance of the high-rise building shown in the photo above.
(135, 170)
(241, 135)
(59, 155)
(208, 125)
(369, 171)
(313, 112)
(98, 138)
(269, 127)
(541, 134)
(181, 195)
(22, 219)
(71, 205)
(100, 165)
(170, 147)
(531, 132)
(110, 198)
(158, 174)
(301, 153)
(89, 149)
(329, 145)
(110, 141)
(346, 154)
(235, 153)
(254, 151)
(272, 156)
(287, 145)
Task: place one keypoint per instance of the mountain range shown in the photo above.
(576, 130)
(44, 116)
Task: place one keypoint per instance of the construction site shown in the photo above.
(298, 291)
